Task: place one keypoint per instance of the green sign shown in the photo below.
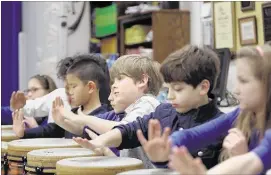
(106, 20)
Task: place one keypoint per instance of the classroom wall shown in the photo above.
(44, 40)
(196, 33)
(258, 13)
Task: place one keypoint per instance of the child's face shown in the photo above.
(249, 90)
(77, 91)
(35, 89)
(124, 92)
(182, 96)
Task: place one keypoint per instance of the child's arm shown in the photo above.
(263, 151)
(254, 162)
(202, 135)
(121, 137)
(50, 130)
(101, 125)
(112, 138)
(39, 107)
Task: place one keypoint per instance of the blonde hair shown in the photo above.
(260, 60)
(135, 66)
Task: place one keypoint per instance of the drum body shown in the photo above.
(18, 149)
(4, 160)
(97, 165)
(44, 160)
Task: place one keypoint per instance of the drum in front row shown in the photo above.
(43, 161)
(6, 127)
(150, 172)
(4, 162)
(97, 165)
(8, 135)
(18, 149)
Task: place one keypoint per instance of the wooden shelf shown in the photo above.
(147, 44)
(171, 31)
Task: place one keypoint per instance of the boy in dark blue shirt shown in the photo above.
(190, 75)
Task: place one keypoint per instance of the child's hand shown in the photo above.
(18, 124)
(235, 142)
(92, 145)
(17, 100)
(181, 161)
(157, 147)
(30, 122)
(58, 110)
(78, 118)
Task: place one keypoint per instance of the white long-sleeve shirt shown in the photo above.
(42, 106)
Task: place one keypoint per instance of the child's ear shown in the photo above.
(91, 86)
(144, 80)
(204, 87)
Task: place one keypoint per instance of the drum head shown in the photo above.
(97, 165)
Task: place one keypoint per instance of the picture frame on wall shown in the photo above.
(247, 5)
(248, 30)
(266, 17)
(224, 25)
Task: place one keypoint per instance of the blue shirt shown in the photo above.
(169, 117)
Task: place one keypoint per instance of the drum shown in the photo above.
(4, 161)
(150, 172)
(43, 161)
(6, 127)
(8, 135)
(97, 165)
(18, 149)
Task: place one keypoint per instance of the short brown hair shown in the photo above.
(191, 64)
(135, 66)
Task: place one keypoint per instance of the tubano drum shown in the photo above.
(97, 165)
(8, 135)
(18, 149)
(6, 127)
(43, 161)
(150, 172)
(4, 160)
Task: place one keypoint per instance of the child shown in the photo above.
(43, 106)
(250, 120)
(136, 82)
(38, 86)
(84, 77)
(259, 159)
(190, 75)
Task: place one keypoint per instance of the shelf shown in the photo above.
(147, 44)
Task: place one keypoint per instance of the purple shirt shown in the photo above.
(263, 150)
(202, 135)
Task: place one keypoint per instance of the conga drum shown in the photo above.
(18, 149)
(6, 127)
(4, 161)
(97, 165)
(150, 172)
(43, 161)
(8, 135)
